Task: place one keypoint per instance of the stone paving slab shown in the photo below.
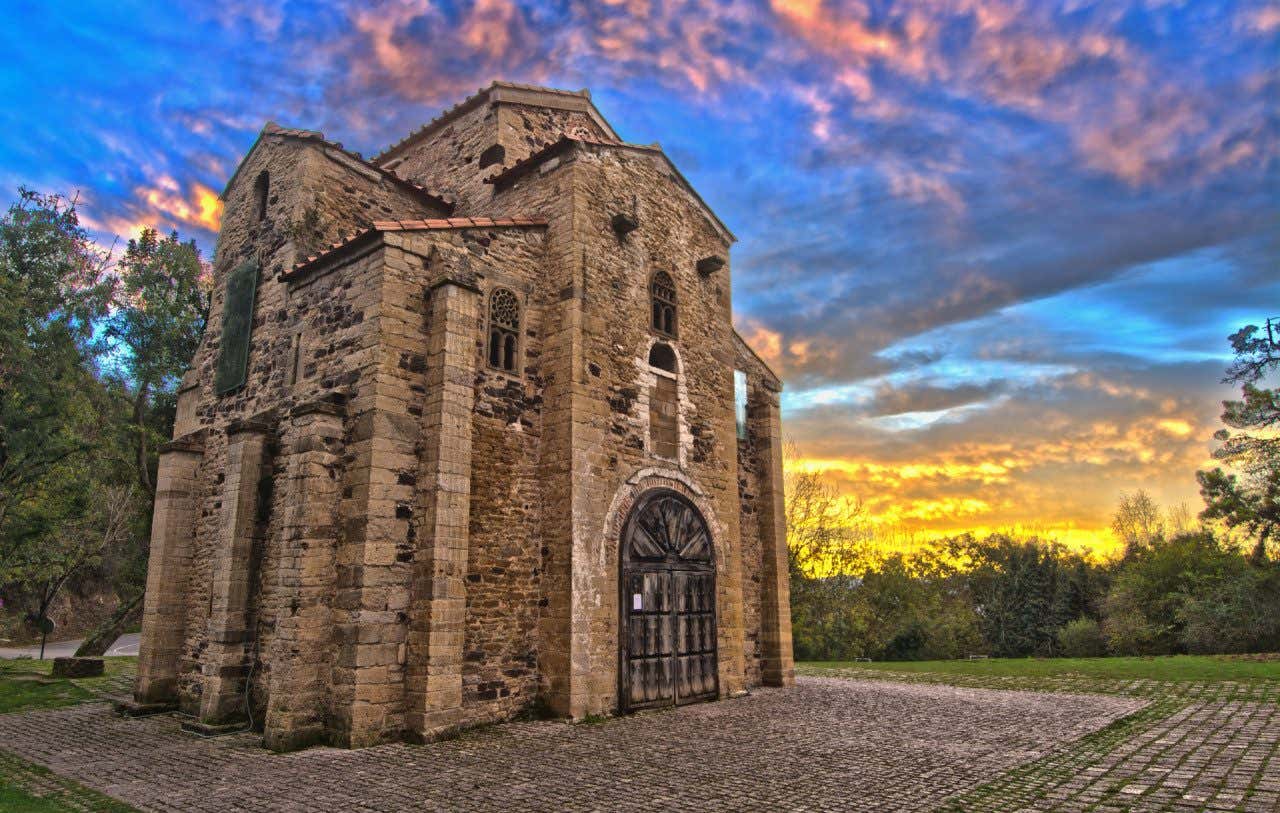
(827, 744)
(1171, 756)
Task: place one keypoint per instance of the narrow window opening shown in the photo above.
(495, 341)
(740, 402)
(504, 330)
(261, 189)
(663, 293)
(297, 359)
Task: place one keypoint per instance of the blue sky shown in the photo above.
(994, 248)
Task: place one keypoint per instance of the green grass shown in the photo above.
(26, 684)
(29, 788)
(1171, 668)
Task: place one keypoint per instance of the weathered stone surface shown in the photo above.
(77, 667)
(383, 534)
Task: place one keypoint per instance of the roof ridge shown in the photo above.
(519, 168)
(273, 128)
(551, 147)
(469, 101)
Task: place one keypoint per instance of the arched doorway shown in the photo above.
(667, 654)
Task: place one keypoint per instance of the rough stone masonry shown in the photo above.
(470, 433)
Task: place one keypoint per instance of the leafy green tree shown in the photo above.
(161, 307)
(1190, 594)
(54, 287)
(1246, 495)
(76, 526)
(1014, 584)
(1081, 638)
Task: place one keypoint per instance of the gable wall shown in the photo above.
(329, 314)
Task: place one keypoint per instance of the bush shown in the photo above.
(1128, 631)
(1081, 638)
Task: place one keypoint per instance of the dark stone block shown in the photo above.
(77, 667)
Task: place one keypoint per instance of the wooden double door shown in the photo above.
(668, 647)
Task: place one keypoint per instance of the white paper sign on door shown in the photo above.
(637, 601)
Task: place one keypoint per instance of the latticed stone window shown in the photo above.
(504, 329)
(663, 291)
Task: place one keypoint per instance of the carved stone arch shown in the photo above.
(647, 479)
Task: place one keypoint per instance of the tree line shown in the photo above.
(1198, 586)
(93, 344)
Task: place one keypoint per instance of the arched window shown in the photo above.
(663, 292)
(664, 411)
(261, 188)
(663, 357)
(504, 329)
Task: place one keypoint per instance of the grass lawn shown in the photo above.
(26, 685)
(1171, 668)
(29, 788)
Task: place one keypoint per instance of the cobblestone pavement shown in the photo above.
(828, 744)
(1198, 746)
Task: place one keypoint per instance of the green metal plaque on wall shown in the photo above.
(237, 324)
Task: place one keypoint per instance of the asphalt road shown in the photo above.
(126, 644)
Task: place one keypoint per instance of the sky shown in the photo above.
(993, 248)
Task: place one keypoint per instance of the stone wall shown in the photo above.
(756, 491)
(448, 160)
(328, 321)
(600, 376)
(766, 566)
(504, 568)
(448, 157)
(749, 493)
(391, 537)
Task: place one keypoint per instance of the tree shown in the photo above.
(1137, 522)
(94, 519)
(826, 549)
(53, 289)
(1247, 494)
(1014, 585)
(1191, 594)
(161, 307)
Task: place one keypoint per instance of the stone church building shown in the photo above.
(470, 433)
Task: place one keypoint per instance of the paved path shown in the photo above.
(828, 744)
(1198, 746)
(1172, 756)
(126, 644)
